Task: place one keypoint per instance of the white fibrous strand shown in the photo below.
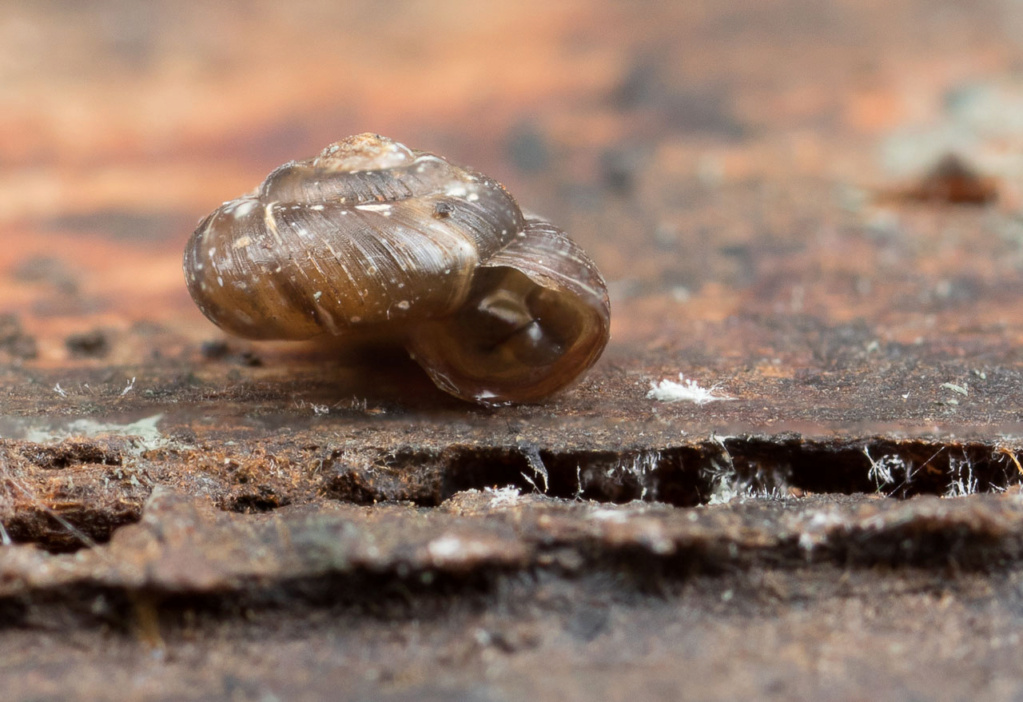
(684, 391)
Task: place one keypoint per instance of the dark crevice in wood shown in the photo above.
(62, 518)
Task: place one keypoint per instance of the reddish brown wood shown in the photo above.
(729, 165)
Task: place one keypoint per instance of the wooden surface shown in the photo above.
(766, 188)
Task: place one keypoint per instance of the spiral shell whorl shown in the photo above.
(375, 239)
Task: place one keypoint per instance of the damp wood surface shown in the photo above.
(814, 210)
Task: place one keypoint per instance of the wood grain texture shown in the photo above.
(756, 182)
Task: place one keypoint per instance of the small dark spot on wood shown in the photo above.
(221, 350)
(14, 342)
(91, 344)
(619, 169)
(263, 499)
(954, 181)
(641, 85)
(214, 350)
(249, 358)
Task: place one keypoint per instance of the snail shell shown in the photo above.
(372, 240)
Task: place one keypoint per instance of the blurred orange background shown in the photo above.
(664, 136)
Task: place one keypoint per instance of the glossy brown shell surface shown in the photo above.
(371, 239)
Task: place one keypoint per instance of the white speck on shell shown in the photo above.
(385, 208)
(243, 208)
